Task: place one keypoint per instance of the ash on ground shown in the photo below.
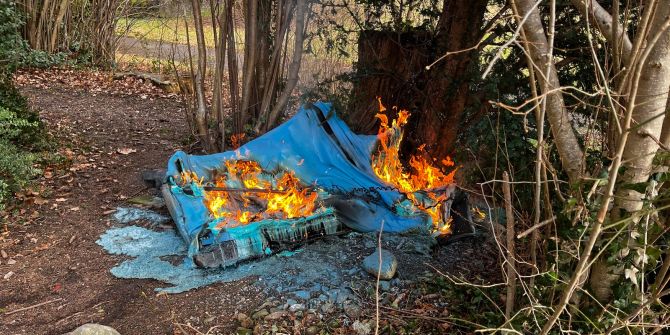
(320, 279)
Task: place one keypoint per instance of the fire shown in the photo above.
(422, 176)
(285, 196)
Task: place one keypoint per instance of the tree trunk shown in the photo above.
(648, 116)
(448, 82)
(200, 108)
(293, 69)
(250, 48)
(388, 65)
(569, 150)
(438, 97)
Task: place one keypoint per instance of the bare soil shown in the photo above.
(56, 255)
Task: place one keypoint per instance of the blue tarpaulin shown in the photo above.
(323, 152)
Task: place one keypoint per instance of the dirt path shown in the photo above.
(56, 255)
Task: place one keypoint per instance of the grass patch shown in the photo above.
(167, 30)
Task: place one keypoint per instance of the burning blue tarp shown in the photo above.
(323, 153)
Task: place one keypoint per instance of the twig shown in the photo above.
(33, 306)
(535, 227)
(511, 268)
(511, 40)
(379, 272)
(645, 132)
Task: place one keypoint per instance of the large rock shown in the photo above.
(94, 329)
(388, 267)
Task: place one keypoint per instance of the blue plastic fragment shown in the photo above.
(127, 215)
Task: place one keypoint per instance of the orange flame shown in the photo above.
(421, 176)
(239, 208)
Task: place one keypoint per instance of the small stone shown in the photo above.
(323, 297)
(296, 307)
(362, 328)
(327, 308)
(302, 294)
(384, 285)
(312, 330)
(8, 275)
(244, 320)
(260, 314)
(352, 310)
(342, 296)
(241, 316)
(94, 329)
(291, 302)
(244, 331)
(3, 254)
(275, 316)
(395, 282)
(11, 261)
(388, 267)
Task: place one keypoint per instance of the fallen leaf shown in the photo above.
(126, 151)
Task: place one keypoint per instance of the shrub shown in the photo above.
(20, 128)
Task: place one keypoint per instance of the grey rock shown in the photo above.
(94, 329)
(395, 282)
(384, 285)
(327, 307)
(362, 328)
(388, 267)
(342, 296)
(296, 307)
(323, 297)
(291, 302)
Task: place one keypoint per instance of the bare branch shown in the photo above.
(605, 24)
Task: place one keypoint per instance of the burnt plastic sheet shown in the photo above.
(323, 152)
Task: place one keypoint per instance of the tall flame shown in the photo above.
(239, 207)
(421, 176)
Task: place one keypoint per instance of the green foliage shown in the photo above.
(20, 131)
(20, 128)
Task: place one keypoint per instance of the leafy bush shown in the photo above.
(20, 128)
(18, 131)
